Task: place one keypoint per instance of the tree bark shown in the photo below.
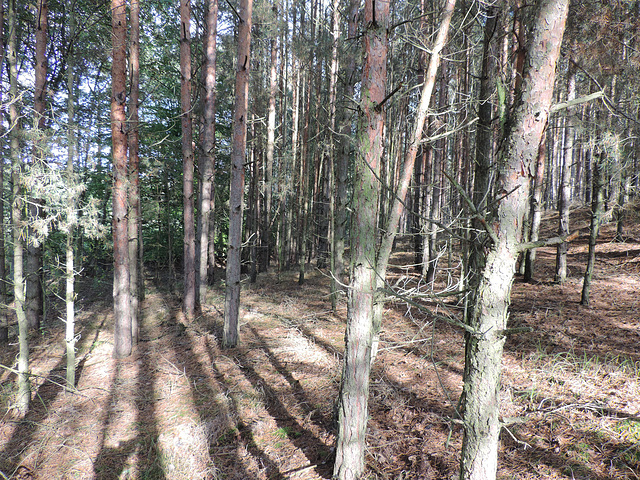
(207, 158)
(597, 210)
(71, 213)
(189, 256)
(565, 186)
(236, 188)
(484, 347)
(4, 317)
(24, 391)
(135, 218)
(271, 144)
(121, 290)
(34, 300)
(536, 210)
(354, 389)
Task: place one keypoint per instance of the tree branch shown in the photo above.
(587, 98)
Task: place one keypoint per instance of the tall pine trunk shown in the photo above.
(207, 158)
(354, 389)
(121, 290)
(597, 211)
(4, 317)
(488, 320)
(135, 218)
(236, 188)
(189, 255)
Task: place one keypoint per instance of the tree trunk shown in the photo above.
(354, 389)
(333, 83)
(536, 210)
(34, 300)
(597, 210)
(271, 145)
(207, 158)
(189, 260)
(487, 323)
(4, 317)
(24, 391)
(236, 187)
(565, 187)
(135, 233)
(71, 212)
(121, 290)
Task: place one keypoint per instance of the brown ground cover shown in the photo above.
(182, 408)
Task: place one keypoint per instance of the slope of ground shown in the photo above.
(182, 408)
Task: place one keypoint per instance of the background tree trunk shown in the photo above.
(4, 317)
(236, 187)
(597, 210)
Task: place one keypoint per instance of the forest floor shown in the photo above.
(182, 408)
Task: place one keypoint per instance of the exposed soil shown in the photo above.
(182, 408)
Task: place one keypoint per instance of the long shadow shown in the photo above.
(182, 347)
(43, 397)
(111, 462)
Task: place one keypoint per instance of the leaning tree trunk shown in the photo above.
(597, 210)
(236, 188)
(488, 321)
(354, 389)
(121, 291)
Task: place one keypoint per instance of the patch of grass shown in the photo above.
(286, 432)
(629, 429)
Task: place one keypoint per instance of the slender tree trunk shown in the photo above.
(536, 210)
(135, 217)
(565, 186)
(121, 291)
(189, 260)
(207, 159)
(236, 188)
(24, 391)
(487, 323)
(271, 144)
(71, 212)
(333, 84)
(4, 317)
(34, 303)
(597, 210)
(354, 389)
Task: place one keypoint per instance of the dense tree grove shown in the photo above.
(173, 138)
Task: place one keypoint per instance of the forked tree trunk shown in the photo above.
(207, 158)
(597, 210)
(134, 170)
(189, 260)
(354, 389)
(488, 319)
(24, 391)
(121, 290)
(236, 188)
